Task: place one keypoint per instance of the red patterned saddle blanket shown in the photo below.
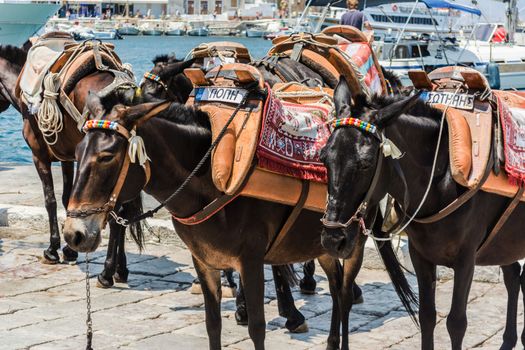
(292, 137)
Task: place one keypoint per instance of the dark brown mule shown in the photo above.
(352, 157)
(236, 237)
(12, 60)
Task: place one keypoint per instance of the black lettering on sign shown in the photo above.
(220, 93)
(213, 93)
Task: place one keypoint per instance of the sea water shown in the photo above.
(139, 51)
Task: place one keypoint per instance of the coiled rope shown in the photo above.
(50, 119)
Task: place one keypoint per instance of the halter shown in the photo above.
(155, 78)
(386, 149)
(136, 152)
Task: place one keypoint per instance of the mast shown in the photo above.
(512, 18)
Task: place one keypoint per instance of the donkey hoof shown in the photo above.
(69, 255)
(104, 283)
(302, 328)
(228, 292)
(122, 276)
(507, 346)
(50, 257)
(196, 287)
(358, 300)
(307, 286)
(241, 317)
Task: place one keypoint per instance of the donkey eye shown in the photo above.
(105, 158)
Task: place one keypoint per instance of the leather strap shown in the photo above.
(502, 220)
(458, 202)
(120, 182)
(305, 189)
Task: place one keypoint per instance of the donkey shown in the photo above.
(235, 237)
(12, 59)
(352, 157)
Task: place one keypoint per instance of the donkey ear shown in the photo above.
(94, 105)
(394, 110)
(342, 98)
(178, 67)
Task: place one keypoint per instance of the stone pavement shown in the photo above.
(43, 306)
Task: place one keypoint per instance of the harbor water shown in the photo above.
(139, 51)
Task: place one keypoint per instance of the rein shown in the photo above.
(157, 79)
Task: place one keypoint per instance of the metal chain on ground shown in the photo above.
(89, 322)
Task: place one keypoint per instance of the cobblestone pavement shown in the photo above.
(43, 306)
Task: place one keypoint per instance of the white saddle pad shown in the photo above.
(39, 59)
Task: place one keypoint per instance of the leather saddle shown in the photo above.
(321, 53)
(471, 130)
(209, 55)
(232, 163)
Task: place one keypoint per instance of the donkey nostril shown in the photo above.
(341, 244)
(77, 240)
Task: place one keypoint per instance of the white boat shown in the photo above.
(21, 20)
(175, 29)
(255, 32)
(151, 29)
(105, 34)
(201, 31)
(128, 29)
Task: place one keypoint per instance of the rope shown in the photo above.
(50, 119)
(324, 96)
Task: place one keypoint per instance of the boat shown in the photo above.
(21, 20)
(255, 33)
(106, 34)
(151, 29)
(201, 31)
(175, 29)
(128, 29)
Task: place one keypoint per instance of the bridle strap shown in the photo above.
(156, 79)
(160, 108)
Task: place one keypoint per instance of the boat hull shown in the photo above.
(175, 32)
(151, 32)
(198, 32)
(128, 31)
(18, 22)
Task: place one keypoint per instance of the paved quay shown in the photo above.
(43, 306)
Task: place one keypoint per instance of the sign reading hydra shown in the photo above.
(220, 94)
(461, 101)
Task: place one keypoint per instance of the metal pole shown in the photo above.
(402, 32)
(303, 14)
(439, 36)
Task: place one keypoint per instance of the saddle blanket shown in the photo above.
(39, 59)
(292, 137)
(513, 128)
(362, 56)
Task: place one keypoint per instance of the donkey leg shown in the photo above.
(67, 184)
(252, 273)
(308, 283)
(241, 315)
(122, 272)
(295, 321)
(457, 318)
(229, 287)
(351, 268)
(522, 283)
(511, 277)
(333, 271)
(210, 281)
(426, 280)
(43, 167)
(105, 278)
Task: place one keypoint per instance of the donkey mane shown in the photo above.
(391, 77)
(13, 54)
(420, 108)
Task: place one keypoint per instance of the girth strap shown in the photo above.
(502, 220)
(292, 218)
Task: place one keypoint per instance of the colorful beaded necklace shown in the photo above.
(100, 124)
(358, 123)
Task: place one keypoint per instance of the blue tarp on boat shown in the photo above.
(450, 5)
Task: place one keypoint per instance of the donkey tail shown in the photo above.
(288, 273)
(132, 210)
(395, 271)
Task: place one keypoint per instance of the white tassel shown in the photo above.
(390, 149)
(137, 149)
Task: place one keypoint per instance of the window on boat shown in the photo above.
(402, 51)
(416, 51)
(403, 19)
(484, 32)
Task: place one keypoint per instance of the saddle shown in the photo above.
(233, 168)
(210, 55)
(471, 118)
(332, 53)
(56, 63)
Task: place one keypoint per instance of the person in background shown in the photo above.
(500, 35)
(355, 18)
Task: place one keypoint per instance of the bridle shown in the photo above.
(135, 152)
(386, 149)
(165, 85)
